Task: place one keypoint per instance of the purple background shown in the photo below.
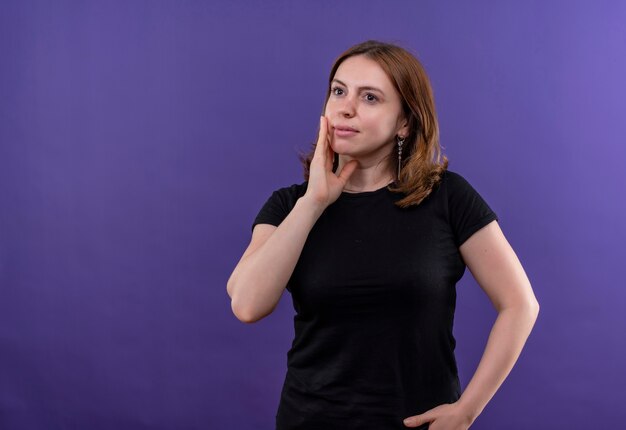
(138, 140)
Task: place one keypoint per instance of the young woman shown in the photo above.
(371, 247)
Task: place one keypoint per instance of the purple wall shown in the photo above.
(138, 140)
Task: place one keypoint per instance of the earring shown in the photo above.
(400, 142)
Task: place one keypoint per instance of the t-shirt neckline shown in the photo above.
(362, 194)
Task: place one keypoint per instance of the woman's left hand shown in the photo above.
(450, 416)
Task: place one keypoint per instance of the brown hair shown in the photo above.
(422, 162)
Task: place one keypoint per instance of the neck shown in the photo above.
(366, 178)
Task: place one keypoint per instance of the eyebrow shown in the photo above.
(360, 88)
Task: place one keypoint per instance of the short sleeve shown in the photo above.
(279, 204)
(468, 211)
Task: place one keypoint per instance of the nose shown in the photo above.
(347, 107)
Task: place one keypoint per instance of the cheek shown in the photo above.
(377, 125)
(330, 109)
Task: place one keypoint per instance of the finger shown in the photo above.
(331, 151)
(330, 158)
(417, 420)
(347, 170)
(320, 146)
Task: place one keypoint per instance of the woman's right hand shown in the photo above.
(324, 186)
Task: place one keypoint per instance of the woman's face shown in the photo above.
(363, 98)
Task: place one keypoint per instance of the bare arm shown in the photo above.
(499, 273)
(260, 277)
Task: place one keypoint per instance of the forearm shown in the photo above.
(506, 340)
(260, 278)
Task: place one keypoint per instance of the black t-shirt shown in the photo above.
(374, 291)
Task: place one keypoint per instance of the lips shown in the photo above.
(345, 128)
(345, 133)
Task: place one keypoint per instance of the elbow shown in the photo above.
(245, 315)
(247, 311)
(535, 308)
(531, 309)
(528, 308)
(533, 305)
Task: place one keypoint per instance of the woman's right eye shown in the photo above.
(335, 88)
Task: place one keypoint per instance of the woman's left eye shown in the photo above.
(372, 99)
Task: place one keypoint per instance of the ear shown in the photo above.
(404, 127)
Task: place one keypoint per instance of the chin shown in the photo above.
(340, 149)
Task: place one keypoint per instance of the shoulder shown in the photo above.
(467, 209)
(279, 204)
(285, 198)
(456, 184)
(452, 178)
(292, 192)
